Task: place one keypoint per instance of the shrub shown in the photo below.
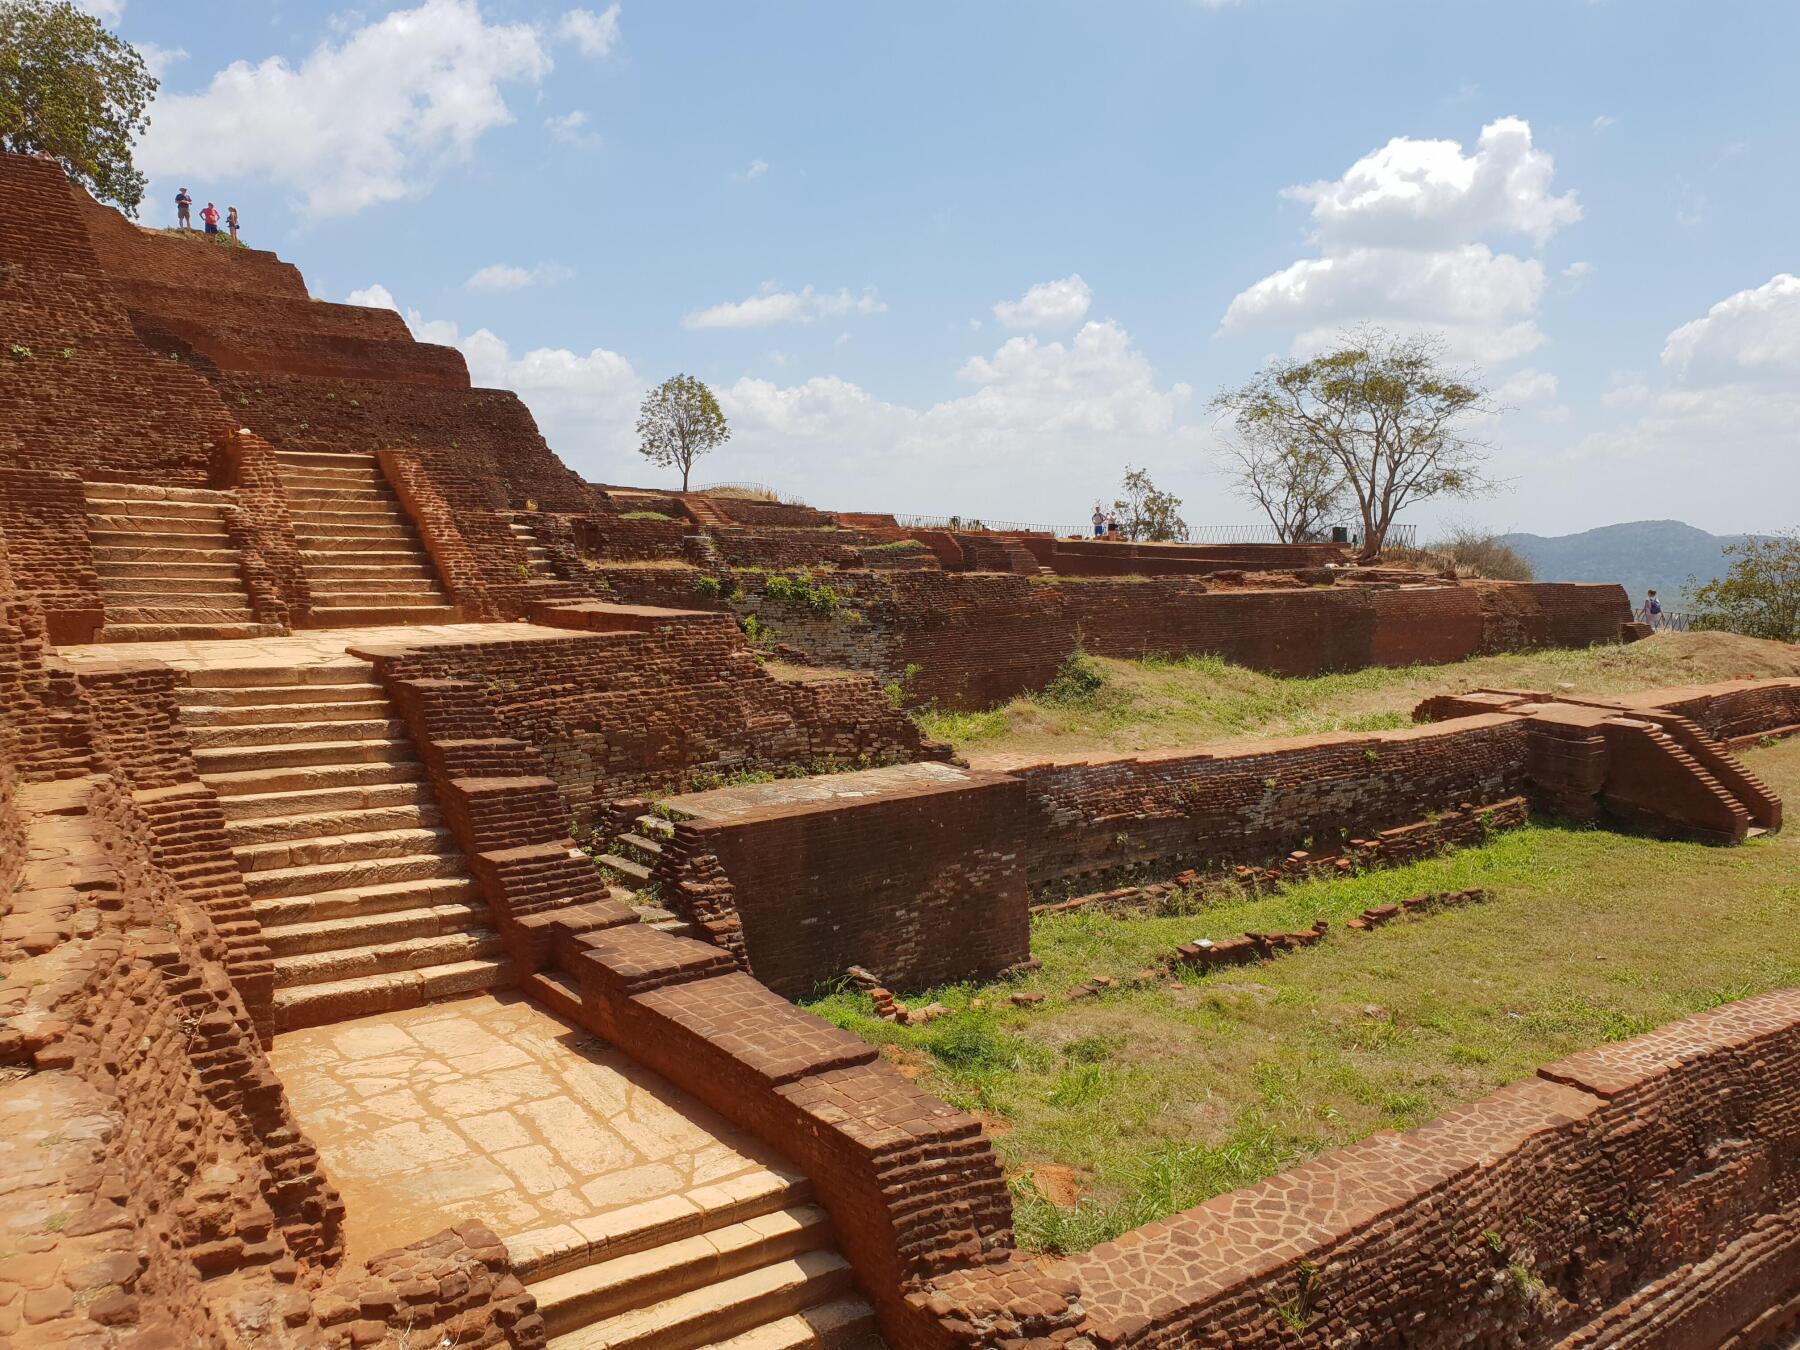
(643, 515)
(802, 593)
(1482, 553)
(711, 587)
(1077, 684)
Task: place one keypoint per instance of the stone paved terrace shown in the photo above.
(319, 646)
(491, 1108)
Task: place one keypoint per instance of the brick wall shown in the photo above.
(1640, 1194)
(44, 535)
(874, 869)
(663, 696)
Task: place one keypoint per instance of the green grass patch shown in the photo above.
(1155, 1098)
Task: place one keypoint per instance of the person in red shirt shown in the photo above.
(211, 217)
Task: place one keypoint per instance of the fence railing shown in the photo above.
(1399, 536)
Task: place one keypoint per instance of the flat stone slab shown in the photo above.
(784, 794)
(490, 1108)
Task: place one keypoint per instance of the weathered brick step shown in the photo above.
(350, 963)
(375, 532)
(368, 512)
(315, 1004)
(321, 497)
(332, 546)
(641, 844)
(154, 553)
(157, 581)
(422, 814)
(175, 609)
(318, 878)
(841, 1324)
(348, 932)
(237, 758)
(256, 792)
(625, 867)
(137, 509)
(335, 850)
(327, 577)
(623, 1283)
(656, 827)
(321, 710)
(153, 492)
(421, 591)
(264, 696)
(539, 1255)
(370, 616)
(364, 900)
(327, 458)
(187, 632)
(273, 676)
(295, 731)
(112, 529)
(123, 569)
(710, 1314)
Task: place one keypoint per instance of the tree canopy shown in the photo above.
(680, 421)
(1759, 595)
(71, 90)
(1146, 514)
(1382, 411)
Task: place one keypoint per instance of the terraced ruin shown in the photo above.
(409, 862)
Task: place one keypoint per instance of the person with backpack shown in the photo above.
(1651, 613)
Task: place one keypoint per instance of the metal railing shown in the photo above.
(1399, 536)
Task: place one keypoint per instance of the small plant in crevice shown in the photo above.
(1296, 1313)
(802, 593)
(710, 587)
(20, 352)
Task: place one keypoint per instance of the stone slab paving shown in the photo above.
(729, 803)
(491, 1108)
(319, 646)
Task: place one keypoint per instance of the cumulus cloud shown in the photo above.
(1754, 334)
(593, 34)
(1049, 304)
(511, 277)
(376, 296)
(772, 305)
(109, 12)
(571, 128)
(755, 170)
(1527, 386)
(1404, 238)
(369, 119)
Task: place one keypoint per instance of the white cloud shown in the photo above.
(367, 120)
(772, 305)
(570, 128)
(1527, 386)
(1754, 334)
(594, 34)
(376, 296)
(756, 169)
(1625, 389)
(159, 58)
(1049, 304)
(109, 12)
(1403, 239)
(1578, 271)
(510, 277)
(1603, 121)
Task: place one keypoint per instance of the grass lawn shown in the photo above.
(1154, 704)
(1113, 1111)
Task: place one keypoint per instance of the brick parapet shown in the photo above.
(458, 564)
(44, 532)
(261, 526)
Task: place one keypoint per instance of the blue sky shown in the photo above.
(977, 257)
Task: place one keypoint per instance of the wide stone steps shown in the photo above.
(413, 810)
(295, 732)
(625, 867)
(139, 609)
(384, 929)
(374, 616)
(166, 565)
(187, 632)
(358, 690)
(124, 530)
(427, 893)
(720, 1310)
(336, 850)
(311, 1005)
(133, 569)
(311, 879)
(148, 551)
(842, 1324)
(152, 581)
(349, 576)
(371, 707)
(253, 792)
(328, 965)
(640, 1279)
(235, 759)
(355, 546)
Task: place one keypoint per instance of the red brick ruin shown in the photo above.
(314, 660)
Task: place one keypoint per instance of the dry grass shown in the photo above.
(1158, 704)
(1151, 1099)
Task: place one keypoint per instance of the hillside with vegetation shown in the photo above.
(1639, 555)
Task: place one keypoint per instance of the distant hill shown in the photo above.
(1637, 555)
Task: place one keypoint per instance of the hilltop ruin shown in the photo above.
(407, 857)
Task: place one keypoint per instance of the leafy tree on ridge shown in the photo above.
(680, 421)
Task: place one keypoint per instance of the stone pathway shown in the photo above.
(308, 647)
(491, 1108)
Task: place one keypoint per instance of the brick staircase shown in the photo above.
(365, 900)
(631, 860)
(363, 559)
(166, 564)
(535, 553)
(748, 1264)
(702, 511)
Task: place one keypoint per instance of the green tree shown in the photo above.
(1759, 595)
(1383, 408)
(71, 90)
(679, 422)
(1147, 515)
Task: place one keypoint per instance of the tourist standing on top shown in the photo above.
(1112, 525)
(183, 204)
(1099, 521)
(231, 222)
(210, 217)
(1651, 613)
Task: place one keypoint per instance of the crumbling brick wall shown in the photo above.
(1638, 1194)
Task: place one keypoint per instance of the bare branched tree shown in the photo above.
(1384, 408)
(1301, 490)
